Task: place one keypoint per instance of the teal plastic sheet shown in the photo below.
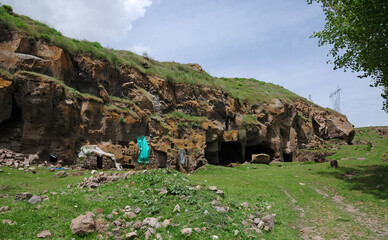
(144, 156)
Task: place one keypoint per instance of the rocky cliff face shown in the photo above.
(56, 102)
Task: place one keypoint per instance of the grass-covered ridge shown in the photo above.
(246, 90)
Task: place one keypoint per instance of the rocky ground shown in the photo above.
(155, 204)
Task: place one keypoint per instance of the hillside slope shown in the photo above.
(58, 94)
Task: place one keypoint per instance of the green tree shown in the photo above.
(358, 31)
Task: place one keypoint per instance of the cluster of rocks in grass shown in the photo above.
(256, 221)
(24, 162)
(126, 226)
(17, 160)
(127, 223)
(99, 178)
(33, 199)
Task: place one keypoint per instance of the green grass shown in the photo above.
(5, 73)
(140, 190)
(361, 179)
(186, 117)
(69, 92)
(250, 119)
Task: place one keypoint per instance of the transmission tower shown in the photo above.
(310, 99)
(335, 97)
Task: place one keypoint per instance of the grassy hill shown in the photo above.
(247, 90)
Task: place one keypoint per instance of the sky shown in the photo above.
(266, 40)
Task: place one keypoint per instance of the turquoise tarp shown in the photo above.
(144, 156)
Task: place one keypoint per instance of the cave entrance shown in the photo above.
(11, 130)
(287, 157)
(231, 152)
(128, 166)
(161, 158)
(99, 162)
(257, 149)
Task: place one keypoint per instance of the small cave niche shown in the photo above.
(287, 157)
(231, 152)
(315, 127)
(11, 130)
(212, 157)
(128, 166)
(161, 158)
(257, 149)
(99, 162)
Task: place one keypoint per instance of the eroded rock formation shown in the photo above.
(57, 102)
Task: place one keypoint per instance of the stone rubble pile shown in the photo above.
(16, 160)
(97, 179)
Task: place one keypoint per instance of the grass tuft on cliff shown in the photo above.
(245, 90)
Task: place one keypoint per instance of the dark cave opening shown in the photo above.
(11, 130)
(257, 149)
(231, 152)
(128, 166)
(99, 162)
(287, 157)
(162, 159)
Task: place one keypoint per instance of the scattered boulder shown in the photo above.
(137, 210)
(131, 235)
(166, 222)
(148, 234)
(260, 225)
(4, 209)
(261, 158)
(245, 204)
(9, 222)
(130, 215)
(60, 174)
(334, 163)
(101, 226)
(269, 220)
(150, 221)
(22, 196)
(35, 199)
(187, 231)
(83, 224)
(44, 234)
(221, 209)
(116, 231)
(177, 208)
(138, 224)
(220, 193)
(212, 188)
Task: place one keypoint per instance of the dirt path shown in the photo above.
(307, 232)
(373, 223)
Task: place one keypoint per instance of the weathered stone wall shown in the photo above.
(43, 115)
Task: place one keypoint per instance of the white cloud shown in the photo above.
(139, 49)
(93, 20)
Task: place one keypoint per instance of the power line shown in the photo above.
(335, 97)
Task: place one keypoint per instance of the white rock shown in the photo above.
(44, 234)
(187, 231)
(177, 208)
(83, 224)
